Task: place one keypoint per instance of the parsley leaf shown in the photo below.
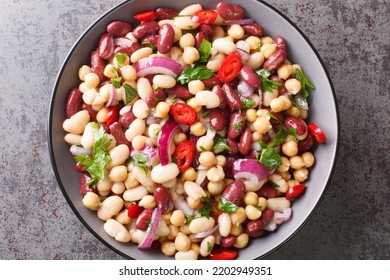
(237, 126)
(270, 158)
(220, 143)
(205, 211)
(121, 58)
(115, 71)
(209, 247)
(247, 103)
(304, 82)
(140, 160)
(204, 51)
(267, 84)
(226, 206)
(199, 72)
(150, 45)
(96, 164)
(116, 82)
(130, 93)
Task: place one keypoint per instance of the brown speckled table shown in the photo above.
(352, 220)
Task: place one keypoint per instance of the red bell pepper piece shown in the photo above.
(205, 16)
(295, 191)
(318, 134)
(146, 16)
(220, 253)
(183, 113)
(134, 211)
(112, 116)
(230, 68)
(184, 154)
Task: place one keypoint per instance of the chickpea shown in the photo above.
(192, 102)
(236, 31)
(256, 59)
(216, 188)
(268, 49)
(251, 198)
(285, 166)
(215, 174)
(91, 201)
(303, 114)
(285, 71)
(84, 70)
(293, 111)
(128, 73)
(251, 115)
(173, 231)
(293, 86)
(253, 42)
(262, 203)
(296, 162)
(195, 86)
(252, 212)
(148, 202)
(266, 40)
(101, 116)
(256, 136)
(236, 230)
(118, 173)
(241, 241)
(185, 229)
(308, 159)
(182, 242)
(179, 137)
(218, 32)
(91, 80)
(221, 160)
(239, 216)
(204, 143)
(198, 129)
(189, 175)
(162, 109)
(290, 148)
(109, 71)
(301, 174)
(262, 125)
(177, 218)
(190, 55)
(291, 183)
(187, 40)
(118, 188)
(207, 159)
(168, 248)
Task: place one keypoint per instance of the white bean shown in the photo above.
(88, 138)
(164, 81)
(163, 173)
(135, 194)
(278, 204)
(104, 186)
(190, 10)
(118, 173)
(186, 255)
(185, 23)
(76, 123)
(72, 139)
(115, 229)
(201, 224)
(193, 190)
(119, 155)
(110, 207)
(137, 127)
(141, 53)
(225, 224)
(118, 188)
(144, 88)
(91, 200)
(137, 235)
(123, 217)
(207, 98)
(224, 45)
(143, 177)
(141, 109)
(207, 245)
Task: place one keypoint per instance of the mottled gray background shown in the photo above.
(352, 220)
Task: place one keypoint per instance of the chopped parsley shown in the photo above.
(220, 143)
(238, 125)
(150, 45)
(267, 84)
(140, 160)
(205, 211)
(96, 164)
(226, 206)
(204, 51)
(121, 58)
(193, 72)
(130, 93)
(247, 103)
(116, 82)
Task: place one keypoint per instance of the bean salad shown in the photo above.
(190, 131)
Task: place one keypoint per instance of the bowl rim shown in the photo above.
(50, 124)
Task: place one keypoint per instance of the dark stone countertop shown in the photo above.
(352, 219)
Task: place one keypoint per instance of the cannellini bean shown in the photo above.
(207, 98)
(140, 109)
(119, 155)
(135, 194)
(143, 177)
(76, 123)
(104, 186)
(91, 200)
(144, 88)
(193, 190)
(118, 173)
(190, 10)
(278, 204)
(148, 202)
(117, 230)
(163, 173)
(137, 235)
(207, 245)
(182, 242)
(137, 127)
(162, 228)
(224, 45)
(186, 255)
(185, 23)
(110, 207)
(72, 139)
(88, 138)
(201, 224)
(140, 53)
(123, 217)
(225, 224)
(164, 81)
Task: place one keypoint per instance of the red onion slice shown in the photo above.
(77, 150)
(204, 234)
(244, 89)
(148, 151)
(250, 171)
(157, 65)
(164, 140)
(244, 54)
(239, 21)
(271, 226)
(112, 96)
(147, 242)
(181, 204)
(282, 217)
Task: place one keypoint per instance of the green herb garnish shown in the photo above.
(121, 58)
(226, 206)
(220, 143)
(305, 83)
(267, 84)
(140, 160)
(96, 164)
(204, 51)
(116, 82)
(130, 93)
(199, 72)
(270, 158)
(150, 45)
(247, 103)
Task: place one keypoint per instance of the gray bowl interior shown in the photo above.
(322, 106)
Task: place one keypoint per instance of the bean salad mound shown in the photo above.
(189, 131)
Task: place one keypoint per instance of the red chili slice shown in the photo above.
(134, 211)
(295, 191)
(146, 16)
(216, 212)
(184, 154)
(318, 134)
(205, 16)
(112, 116)
(219, 253)
(230, 68)
(183, 113)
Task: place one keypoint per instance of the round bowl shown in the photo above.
(322, 105)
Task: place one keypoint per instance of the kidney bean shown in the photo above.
(156, 97)
(150, 39)
(165, 38)
(236, 125)
(91, 111)
(234, 83)
(143, 219)
(267, 191)
(106, 46)
(255, 228)
(234, 192)
(305, 144)
(232, 99)
(146, 29)
(127, 49)
(163, 199)
(218, 118)
(84, 188)
(267, 215)
(253, 29)
(199, 38)
(98, 65)
(179, 91)
(249, 76)
(274, 61)
(126, 119)
(228, 241)
(230, 11)
(280, 42)
(73, 104)
(208, 30)
(212, 81)
(118, 28)
(218, 91)
(118, 131)
(245, 143)
(297, 123)
(233, 144)
(166, 13)
(278, 115)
